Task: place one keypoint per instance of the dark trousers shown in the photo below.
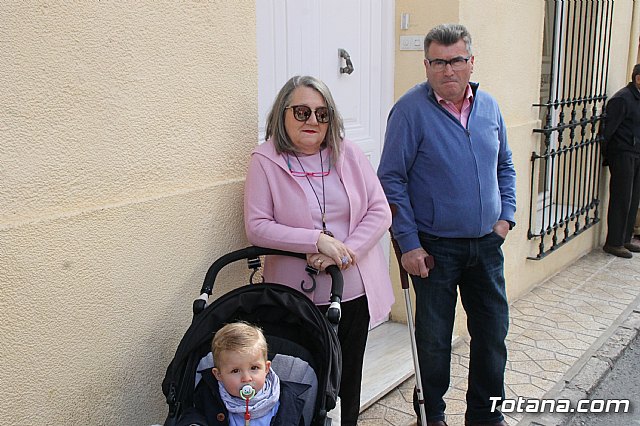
(352, 333)
(624, 197)
(475, 267)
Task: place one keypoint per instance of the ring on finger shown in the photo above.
(344, 260)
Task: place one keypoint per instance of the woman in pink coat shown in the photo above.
(309, 190)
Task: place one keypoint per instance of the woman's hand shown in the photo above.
(319, 261)
(341, 255)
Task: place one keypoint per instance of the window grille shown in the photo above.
(565, 172)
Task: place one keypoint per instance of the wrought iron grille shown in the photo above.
(565, 172)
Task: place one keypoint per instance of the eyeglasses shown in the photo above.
(457, 64)
(310, 174)
(304, 173)
(303, 112)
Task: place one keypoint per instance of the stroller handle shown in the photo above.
(253, 252)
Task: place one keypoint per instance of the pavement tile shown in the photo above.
(515, 329)
(540, 354)
(528, 390)
(539, 334)
(515, 378)
(574, 344)
(546, 379)
(456, 405)
(509, 393)
(517, 355)
(533, 322)
(455, 419)
(590, 334)
(526, 367)
(511, 420)
(397, 417)
(557, 347)
(553, 365)
(566, 359)
(376, 411)
(393, 400)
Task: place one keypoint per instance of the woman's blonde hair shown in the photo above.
(275, 120)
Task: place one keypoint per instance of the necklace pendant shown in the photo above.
(324, 227)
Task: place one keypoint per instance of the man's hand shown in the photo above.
(501, 228)
(414, 262)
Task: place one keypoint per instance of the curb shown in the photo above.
(582, 379)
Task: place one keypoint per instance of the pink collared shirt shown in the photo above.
(463, 115)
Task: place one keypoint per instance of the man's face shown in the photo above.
(637, 81)
(448, 83)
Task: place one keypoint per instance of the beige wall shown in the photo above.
(126, 130)
(507, 44)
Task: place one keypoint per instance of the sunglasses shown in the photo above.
(303, 112)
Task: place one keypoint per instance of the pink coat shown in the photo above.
(277, 215)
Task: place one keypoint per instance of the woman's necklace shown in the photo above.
(323, 206)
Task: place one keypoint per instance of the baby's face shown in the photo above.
(237, 369)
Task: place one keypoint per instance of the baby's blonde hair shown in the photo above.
(238, 337)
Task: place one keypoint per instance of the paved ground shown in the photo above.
(564, 336)
(622, 383)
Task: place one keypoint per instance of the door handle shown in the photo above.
(345, 55)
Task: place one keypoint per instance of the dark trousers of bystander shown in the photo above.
(624, 197)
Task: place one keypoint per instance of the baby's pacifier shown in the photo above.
(247, 392)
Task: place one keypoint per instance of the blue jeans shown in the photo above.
(476, 266)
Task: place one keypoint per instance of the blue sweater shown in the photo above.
(446, 180)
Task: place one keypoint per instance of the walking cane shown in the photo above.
(404, 282)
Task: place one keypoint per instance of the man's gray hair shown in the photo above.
(448, 34)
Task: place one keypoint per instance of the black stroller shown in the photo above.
(297, 334)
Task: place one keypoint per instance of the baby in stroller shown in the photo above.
(302, 345)
(242, 386)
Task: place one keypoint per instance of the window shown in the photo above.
(565, 172)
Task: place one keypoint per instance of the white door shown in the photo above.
(304, 37)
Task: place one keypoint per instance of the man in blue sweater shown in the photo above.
(447, 169)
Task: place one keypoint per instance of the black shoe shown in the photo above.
(618, 251)
(632, 247)
(434, 423)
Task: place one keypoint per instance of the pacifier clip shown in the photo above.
(247, 392)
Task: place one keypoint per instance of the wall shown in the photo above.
(508, 65)
(126, 130)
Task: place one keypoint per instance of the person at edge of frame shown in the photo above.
(621, 150)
